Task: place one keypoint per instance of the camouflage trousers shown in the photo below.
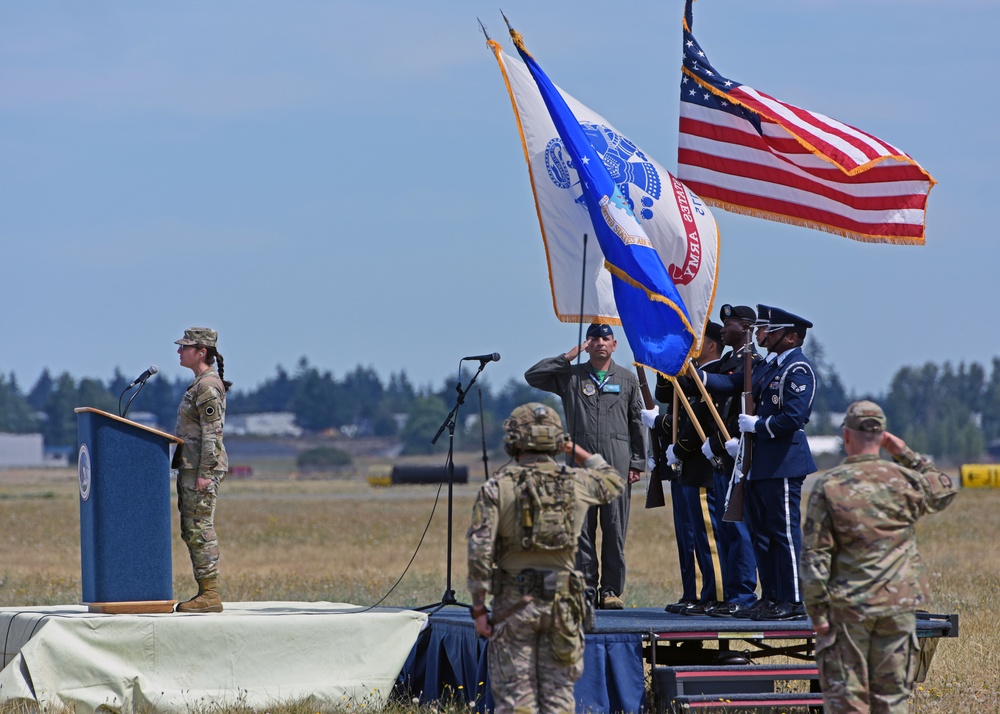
(525, 673)
(197, 509)
(868, 665)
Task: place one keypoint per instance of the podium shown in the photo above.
(125, 514)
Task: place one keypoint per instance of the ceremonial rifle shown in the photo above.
(654, 487)
(734, 498)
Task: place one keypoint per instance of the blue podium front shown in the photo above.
(125, 514)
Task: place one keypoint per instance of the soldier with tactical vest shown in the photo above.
(522, 548)
(201, 461)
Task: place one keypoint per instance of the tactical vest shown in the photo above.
(545, 501)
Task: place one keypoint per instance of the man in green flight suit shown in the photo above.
(603, 406)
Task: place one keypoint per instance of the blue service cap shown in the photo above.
(781, 319)
(597, 330)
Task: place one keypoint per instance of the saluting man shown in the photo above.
(602, 404)
(861, 571)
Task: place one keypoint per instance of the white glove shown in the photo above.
(671, 459)
(733, 447)
(650, 463)
(706, 449)
(649, 416)
(748, 422)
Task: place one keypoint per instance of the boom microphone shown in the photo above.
(494, 357)
(146, 375)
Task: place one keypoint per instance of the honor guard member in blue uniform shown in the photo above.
(602, 404)
(693, 494)
(784, 388)
(739, 566)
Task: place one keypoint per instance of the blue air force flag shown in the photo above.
(643, 199)
(588, 178)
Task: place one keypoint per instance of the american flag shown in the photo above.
(744, 151)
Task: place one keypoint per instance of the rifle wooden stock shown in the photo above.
(654, 489)
(734, 509)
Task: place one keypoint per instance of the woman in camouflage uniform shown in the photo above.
(201, 461)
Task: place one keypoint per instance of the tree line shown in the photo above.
(950, 412)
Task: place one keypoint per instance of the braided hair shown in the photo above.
(211, 355)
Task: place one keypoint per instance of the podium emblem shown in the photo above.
(83, 472)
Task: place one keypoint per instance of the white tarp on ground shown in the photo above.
(253, 654)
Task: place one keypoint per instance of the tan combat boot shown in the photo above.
(207, 599)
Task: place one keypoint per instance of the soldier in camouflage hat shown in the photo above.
(201, 461)
(861, 572)
(522, 546)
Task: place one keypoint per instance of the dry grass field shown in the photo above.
(340, 540)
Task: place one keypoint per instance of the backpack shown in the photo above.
(546, 502)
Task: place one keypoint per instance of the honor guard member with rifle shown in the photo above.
(522, 546)
(692, 493)
(602, 403)
(739, 567)
(783, 390)
(861, 573)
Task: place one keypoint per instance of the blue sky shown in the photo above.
(345, 181)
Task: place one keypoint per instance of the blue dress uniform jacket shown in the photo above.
(784, 389)
(784, 406)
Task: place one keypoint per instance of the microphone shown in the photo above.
(149, 373)
(494, 357)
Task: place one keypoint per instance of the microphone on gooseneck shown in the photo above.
(144, 376)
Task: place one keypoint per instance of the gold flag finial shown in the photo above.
(515, 36)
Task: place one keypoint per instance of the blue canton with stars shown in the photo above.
(696, 62)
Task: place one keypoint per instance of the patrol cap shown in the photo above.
(864, 416)
(597, 330)
(738, 312)
(199, 336)
(713, 331)
(780, 319)
(763, 315)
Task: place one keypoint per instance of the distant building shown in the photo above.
(21, 451)
(825, 444)
(265, 424)
(144, 418)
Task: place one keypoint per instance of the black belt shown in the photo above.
(542, 584)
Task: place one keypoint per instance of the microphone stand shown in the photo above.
(482, 432)
(129, 403)
(448, 598)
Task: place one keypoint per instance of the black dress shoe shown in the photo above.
(702, 608)
(782, 611)
(728, 609)
(680, 605)
(749, 612)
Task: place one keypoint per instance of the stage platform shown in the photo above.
(257, 655)
(449, 660)
(253, 655)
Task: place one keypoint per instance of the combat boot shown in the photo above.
(207, 599)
